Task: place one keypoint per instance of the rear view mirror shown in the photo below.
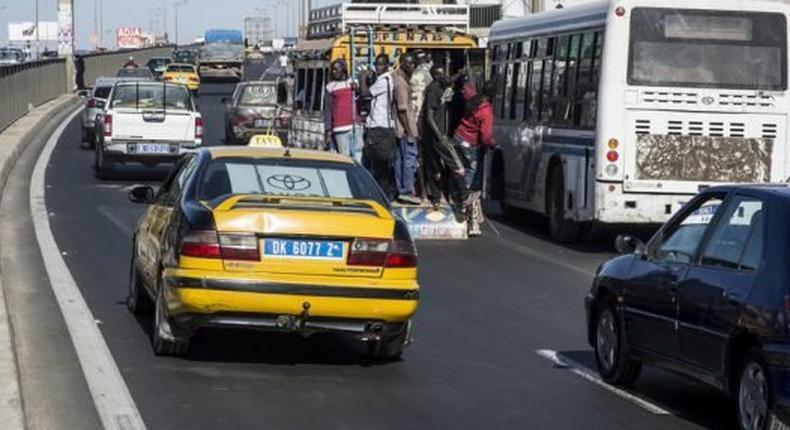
(142, 194)
(625, 244)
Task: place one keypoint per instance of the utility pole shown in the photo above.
(38, 39)
(176, 5)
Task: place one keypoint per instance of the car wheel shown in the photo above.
(611, 351)
(560, 229)
(754, 395)
(391, 348)
(138, 301)
(101, 164)
(163, 336)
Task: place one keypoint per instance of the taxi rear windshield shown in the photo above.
(708, 49)
(258, 95)
(287, 177)
(180, 69)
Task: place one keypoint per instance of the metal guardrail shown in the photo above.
(27, 85)
(107, 64)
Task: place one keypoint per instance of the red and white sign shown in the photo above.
(130, 38)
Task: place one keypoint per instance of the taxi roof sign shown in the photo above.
(265, 141)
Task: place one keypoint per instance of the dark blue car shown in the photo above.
(708, 296)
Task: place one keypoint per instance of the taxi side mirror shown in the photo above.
(142, 194)
(626, 244)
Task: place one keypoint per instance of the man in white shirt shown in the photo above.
(380, 138)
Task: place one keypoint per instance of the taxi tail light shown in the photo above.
(201, 244)
(239, 247)
(168, 78)
(402, 254)
(198, 128)
(368, 252)
(107, 126)
(193, 79)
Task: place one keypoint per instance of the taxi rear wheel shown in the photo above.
(138, 301)
(164, 336)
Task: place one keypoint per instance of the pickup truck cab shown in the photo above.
(148, 123)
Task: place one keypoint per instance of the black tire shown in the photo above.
(611, 350)
(391, 348)
(165, 337)
(753, 374)
(560, 229)
(138, 301)
(101, 164)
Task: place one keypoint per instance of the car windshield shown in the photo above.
(181, 69)
(287, 177)
(258, 95)
(692, 48)
(134, 73)
(151, 97)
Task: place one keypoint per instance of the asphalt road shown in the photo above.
(487, 306)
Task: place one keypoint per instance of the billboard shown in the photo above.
(65, 29)
(130, 38)
(26, 31)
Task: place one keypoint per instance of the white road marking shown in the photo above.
(116, 221)
(114, 403)
(592, 376)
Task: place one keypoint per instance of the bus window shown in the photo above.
(546, 83)
(515, 90)
(507, 99)
(534, 93)
(559, 78)
(573, 65)
(300, 90)
(319, 85)
(308, 90)
(587, 50)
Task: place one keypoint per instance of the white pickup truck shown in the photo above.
(148, 123)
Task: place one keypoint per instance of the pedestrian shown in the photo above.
(475, 135)
(406, 131)
(420, 79)
(341, 122)
(380, 138)
(440, 158)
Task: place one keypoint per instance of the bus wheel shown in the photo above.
(560, 229)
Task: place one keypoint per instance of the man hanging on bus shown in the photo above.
(380, 140)
(341, 122)
(406, 131)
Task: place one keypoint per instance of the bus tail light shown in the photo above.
(619, 11)
(612, 156)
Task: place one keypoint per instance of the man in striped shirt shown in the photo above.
(341, 121)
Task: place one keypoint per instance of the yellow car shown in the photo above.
(184, 74)
(272, 239)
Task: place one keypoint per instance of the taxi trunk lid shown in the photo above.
(303, 236)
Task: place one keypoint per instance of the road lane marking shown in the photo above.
(116, 221)
(111, 396)
(592, 376)
(533, 253)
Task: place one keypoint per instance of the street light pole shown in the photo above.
(38, 40)
(177, 5)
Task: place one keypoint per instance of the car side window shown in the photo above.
(680, 242)
(171, 188)
(737, 240)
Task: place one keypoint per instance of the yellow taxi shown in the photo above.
(184, 74)
(273, 239)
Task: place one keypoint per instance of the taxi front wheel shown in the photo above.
(165, 338)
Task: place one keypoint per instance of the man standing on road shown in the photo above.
(340, 116)
(440, 157)
(474, 135)
(380, 140)
(406, 131)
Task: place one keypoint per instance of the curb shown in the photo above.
(13, 141)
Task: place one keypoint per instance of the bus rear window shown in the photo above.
(708, 49)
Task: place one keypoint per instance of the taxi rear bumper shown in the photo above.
(201, 302)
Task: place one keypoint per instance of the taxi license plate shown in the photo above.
(303, 249)
(153, 148)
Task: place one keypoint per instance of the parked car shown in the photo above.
(135, 72)
(149, 123)
(95, 103)
(158, 65)
(239, 238)
(255, 107)
(708, 296)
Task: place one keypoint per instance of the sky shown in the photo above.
(194, 17)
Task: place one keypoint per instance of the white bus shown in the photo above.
(617, 112)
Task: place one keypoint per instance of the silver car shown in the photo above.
(95, 104)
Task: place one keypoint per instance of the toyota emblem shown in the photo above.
(288, 182)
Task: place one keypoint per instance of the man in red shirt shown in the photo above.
(341, 122)
(475, 135)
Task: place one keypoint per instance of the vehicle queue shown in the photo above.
(704, 297)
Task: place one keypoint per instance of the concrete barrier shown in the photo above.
(25, 86)
(107, 64)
